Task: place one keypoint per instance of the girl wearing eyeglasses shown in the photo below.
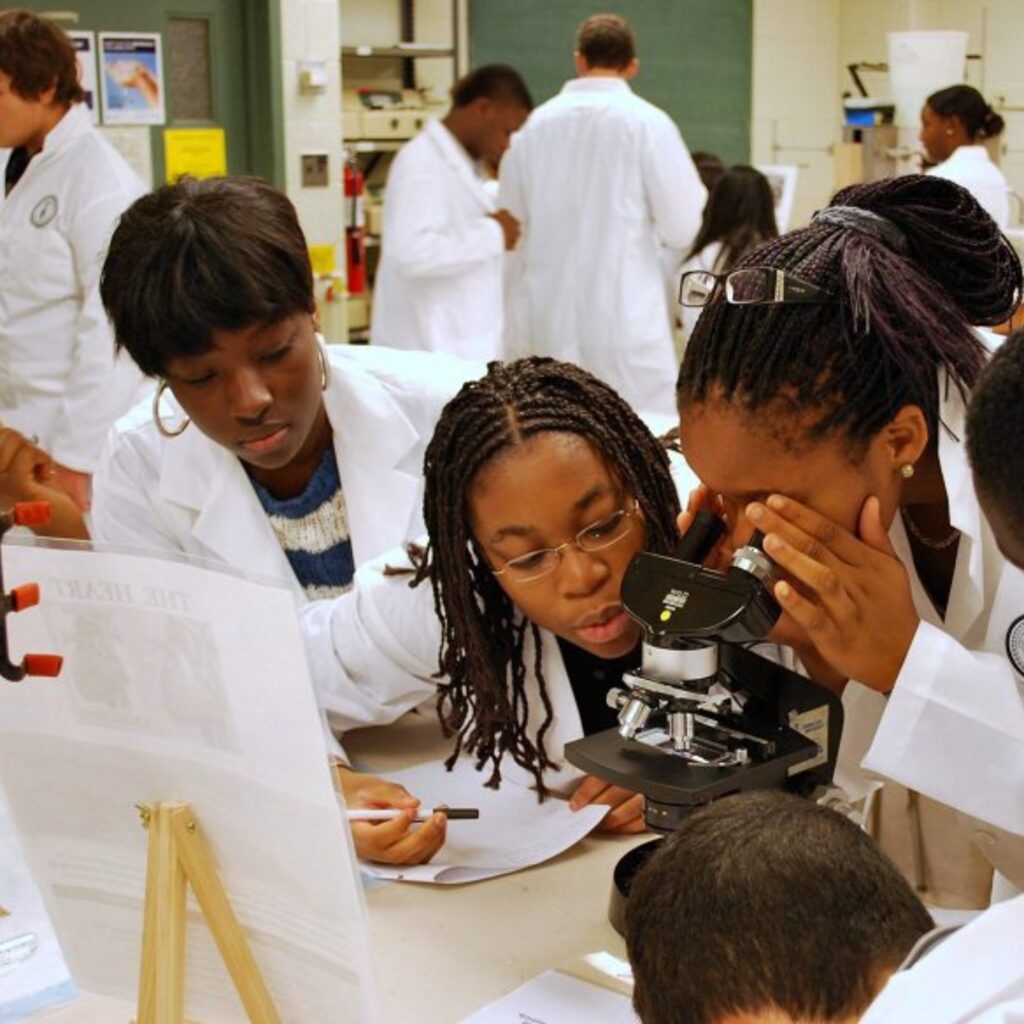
(822, 402)
(541, 484)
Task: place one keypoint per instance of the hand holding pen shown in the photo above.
(399, 840)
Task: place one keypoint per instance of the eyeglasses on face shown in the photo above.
(534, 565)
(748, 286)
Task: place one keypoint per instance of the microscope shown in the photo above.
(705, 716)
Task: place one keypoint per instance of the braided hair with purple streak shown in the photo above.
(905, 292)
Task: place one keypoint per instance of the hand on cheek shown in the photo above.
(850, 594)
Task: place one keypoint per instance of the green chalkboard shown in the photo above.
(695, 57)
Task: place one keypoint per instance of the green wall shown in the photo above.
(695, 57)
(245, 70)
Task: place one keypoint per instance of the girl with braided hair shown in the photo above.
(541, 484)
(822, 402)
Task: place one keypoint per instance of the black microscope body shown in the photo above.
(705, 717)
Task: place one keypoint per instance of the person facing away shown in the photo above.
(739, 215)
(599, 179)
(765, 908)
(995, 429)
(64, 189)
(955, 122)
(439, 285)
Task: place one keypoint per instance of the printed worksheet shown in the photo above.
(187, 684)
(513, 831)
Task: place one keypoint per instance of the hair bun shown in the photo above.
(950, 238)
(992, 124)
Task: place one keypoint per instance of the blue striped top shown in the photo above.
(312, 528)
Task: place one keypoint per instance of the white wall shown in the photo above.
(796, 112)
(312, 124)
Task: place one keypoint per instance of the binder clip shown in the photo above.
(26, 513)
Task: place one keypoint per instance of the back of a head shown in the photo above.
(498, 82)
(767, 902)
(38, 54)
(606, 41)
(740, 214)
(909, 263)
(964, 102)
(197, 256)
(995, 432)
(710, 168)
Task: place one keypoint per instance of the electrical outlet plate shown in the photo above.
(314, 170)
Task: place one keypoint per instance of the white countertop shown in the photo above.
(443, 951)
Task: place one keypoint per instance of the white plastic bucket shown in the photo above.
(920, 63)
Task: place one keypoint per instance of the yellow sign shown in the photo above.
(324, 260)
(200, 152)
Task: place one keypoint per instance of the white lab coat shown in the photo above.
(188, 494)
(376, 657)
(439, 284)
(972, 168)
(975, 975)
(58, 377)
(599, 179)
(953, 727)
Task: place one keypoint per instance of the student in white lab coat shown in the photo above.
(955, 122)
(64, 188)
(822, 398)
(270, 454)
(599, 179)
(540, 486)
(439, 284)
(803, 919)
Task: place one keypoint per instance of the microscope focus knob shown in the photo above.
(615, 698)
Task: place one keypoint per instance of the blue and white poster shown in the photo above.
(132, 77)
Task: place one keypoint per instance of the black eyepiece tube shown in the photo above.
(756, 541)
(695, 545)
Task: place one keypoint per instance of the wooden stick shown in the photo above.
(197, 860)
(162, 979)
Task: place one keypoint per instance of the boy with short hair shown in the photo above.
(765, 907)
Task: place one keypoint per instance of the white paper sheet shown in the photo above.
(555, 998)
(186, 684)
(513, 831)
(32, 970)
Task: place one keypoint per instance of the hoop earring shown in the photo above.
(156, 415)
(325, 366)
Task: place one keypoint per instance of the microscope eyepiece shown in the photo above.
(751, 559)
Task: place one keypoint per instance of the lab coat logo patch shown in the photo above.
(1015, 644)
(44, 211)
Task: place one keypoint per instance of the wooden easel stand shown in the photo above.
(179, 857)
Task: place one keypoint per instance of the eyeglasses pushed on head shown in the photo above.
(748, 286)
(534, 565)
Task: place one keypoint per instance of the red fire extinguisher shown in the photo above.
(355, 228)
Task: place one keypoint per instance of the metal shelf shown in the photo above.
(398, 50)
